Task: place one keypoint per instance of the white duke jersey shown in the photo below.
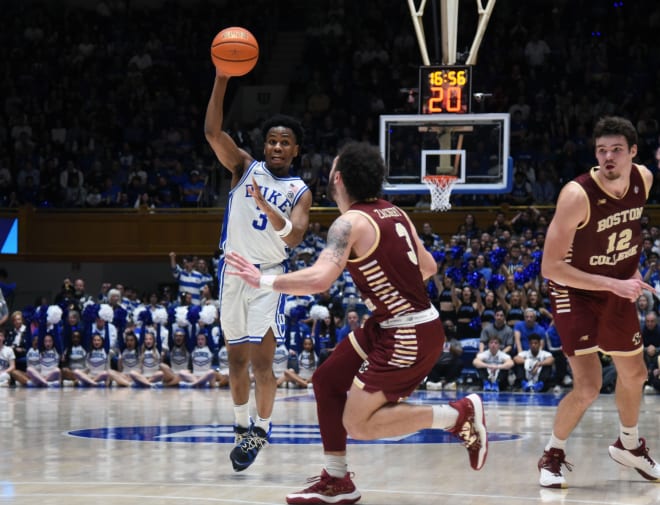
(246, 229)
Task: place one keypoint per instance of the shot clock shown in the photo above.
(445, 89)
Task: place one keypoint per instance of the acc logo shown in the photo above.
(281, 434)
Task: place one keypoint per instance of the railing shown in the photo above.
(145, 235)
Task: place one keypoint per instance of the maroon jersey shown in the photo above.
(609, 242)
(391, 286)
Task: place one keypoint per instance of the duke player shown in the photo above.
(591, 256)
(267, 213)
(384, 361)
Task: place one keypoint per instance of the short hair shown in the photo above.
(287, 122)
(362, 169)
(615, 125)
(529, 309)
(495, 337)
(534, 336)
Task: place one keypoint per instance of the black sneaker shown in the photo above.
(245, 452)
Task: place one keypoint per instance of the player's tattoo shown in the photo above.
(337, 241)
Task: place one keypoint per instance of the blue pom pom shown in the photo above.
(519, 278)
(91, 312)
(456, 252)
(120, 317)
(454, 274)
(496, 281)
(193, 313)
(474, 280)
(439, 256)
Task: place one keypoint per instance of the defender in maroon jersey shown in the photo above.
(591, 256)
(380, 364)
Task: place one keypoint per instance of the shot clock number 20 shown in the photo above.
(445, 89)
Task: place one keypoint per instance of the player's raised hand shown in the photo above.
(243, 269)
(255, 192)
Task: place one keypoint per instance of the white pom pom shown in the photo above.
(54, 314)
(289, 306)
(318, 312)
(208, 314)
(159, 316)
(136, 314)
(106, 313)
(180, 315)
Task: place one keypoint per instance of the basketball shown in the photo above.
(234, 51)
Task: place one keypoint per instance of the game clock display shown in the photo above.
(445, 89)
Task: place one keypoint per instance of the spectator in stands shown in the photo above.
(447, 368)
(536, 365)
(190, 280)
(493, 365)
(498, 329)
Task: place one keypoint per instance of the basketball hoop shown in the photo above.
(440, 188)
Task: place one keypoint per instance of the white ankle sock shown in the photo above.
(262, 423)
(629, 436)
(242, 415)
(444, 417)
(336, 466)
(556, 443)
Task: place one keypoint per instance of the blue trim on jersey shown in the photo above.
(242, 340)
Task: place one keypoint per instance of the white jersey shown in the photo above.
(77, 357)
(6, 357)
(49, 361)
(280, 360)
(179, 358)
(223, 360)
(33, 358)
(130, 361)
(150, 362)
(246, 229)
(202, 358)
(97, 361)
(307, 362)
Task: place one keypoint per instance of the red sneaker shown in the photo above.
(550, 474)
(327, 489)
(470, 427)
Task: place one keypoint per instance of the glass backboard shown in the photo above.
(474, 147)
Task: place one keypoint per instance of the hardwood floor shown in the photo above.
(98, 446)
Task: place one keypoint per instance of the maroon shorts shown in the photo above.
(591, 321)
(396, 360)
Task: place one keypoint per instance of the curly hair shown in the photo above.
(614, 125)
(362, 169)
(287, 122)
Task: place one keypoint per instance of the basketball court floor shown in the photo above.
(133, 446)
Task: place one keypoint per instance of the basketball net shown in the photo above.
(440, 188)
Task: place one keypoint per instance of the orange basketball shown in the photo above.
(234, 51)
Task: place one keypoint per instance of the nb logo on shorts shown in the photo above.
(584, 338)
(364, 366)
(637, 339)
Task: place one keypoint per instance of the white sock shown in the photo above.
(336, 466)
(629, 436)
(444, 417)
(242, 415)
(555, 443)
(262, 423)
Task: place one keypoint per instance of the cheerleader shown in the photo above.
(202, 360)
(73, 358)
(307, 363)
(47, 371)
(96, 371)
(150, 374)
(179, 360)
(128, 361)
